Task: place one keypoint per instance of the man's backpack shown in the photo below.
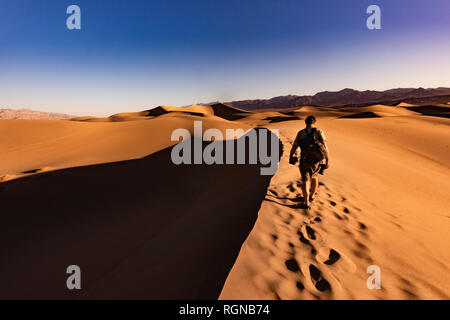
(313, 151)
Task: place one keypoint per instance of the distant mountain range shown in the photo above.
(343, 98)
(31, 115)
(350, 97)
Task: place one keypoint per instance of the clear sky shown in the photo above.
(134, 54)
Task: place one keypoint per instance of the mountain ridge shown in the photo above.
(27, 114)
(348, 97)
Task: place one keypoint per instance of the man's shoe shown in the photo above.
(305, 206)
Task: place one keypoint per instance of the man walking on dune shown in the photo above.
(314, 151)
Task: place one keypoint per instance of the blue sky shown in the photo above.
(136, 54)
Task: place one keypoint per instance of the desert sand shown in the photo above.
(103, 194)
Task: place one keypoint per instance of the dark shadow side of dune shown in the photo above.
(276, 119)
(433, 111)
(138, 229)
(360, 115)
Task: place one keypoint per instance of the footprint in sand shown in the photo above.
(300, 286)
(318, 281)
(303, 239)
(292, 265)
(310, 232)
(337, 216)
(274, 192)
(291, 188)
(360, 245)
(332, 257)
(362, 251)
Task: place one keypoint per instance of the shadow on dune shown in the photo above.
(227, 112)
(138, 229)
(280, 119)
(158, 111)
(360, 115)
(433, 111)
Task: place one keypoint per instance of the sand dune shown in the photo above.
(219, 110)
(384, 202)
(62, 144)
(378, 111)
(102, 193)
(404, 104)
(142, 228)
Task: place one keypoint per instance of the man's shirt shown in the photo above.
(320, 136)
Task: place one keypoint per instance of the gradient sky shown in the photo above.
(134, 54)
